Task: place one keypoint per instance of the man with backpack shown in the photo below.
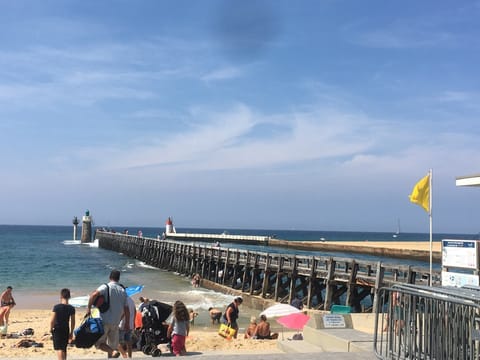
(111, 299)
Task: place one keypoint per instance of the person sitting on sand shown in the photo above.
(215, 315)
(263, 330)
(7, 303)
(250, 331)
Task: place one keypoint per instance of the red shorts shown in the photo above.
(178, 344)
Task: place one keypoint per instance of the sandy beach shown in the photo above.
(201, 339)
(415, 246)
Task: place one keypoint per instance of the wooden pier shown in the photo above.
(319, 281)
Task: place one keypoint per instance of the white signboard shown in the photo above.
(333, 321)
(460, 253)
(458, 279)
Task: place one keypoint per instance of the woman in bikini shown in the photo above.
(7, 303)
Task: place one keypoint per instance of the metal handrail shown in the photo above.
(420, 322)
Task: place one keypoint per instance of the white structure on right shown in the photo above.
(461, 258)
(472, 180)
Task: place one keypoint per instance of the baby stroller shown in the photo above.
(154, 331)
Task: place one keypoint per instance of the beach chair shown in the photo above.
(340, 309)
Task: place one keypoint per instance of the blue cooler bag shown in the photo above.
(89, 331)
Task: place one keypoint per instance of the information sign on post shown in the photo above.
(450, 278)
(333, 321)
(460, 254)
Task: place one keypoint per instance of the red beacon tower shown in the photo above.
(169, 228)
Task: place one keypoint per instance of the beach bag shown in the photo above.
(27, 332)
(89, 331)
(226, 331)
(100, 302)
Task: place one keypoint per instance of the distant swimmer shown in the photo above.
(196, 280)
(215, 315)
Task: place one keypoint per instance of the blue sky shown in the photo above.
(252, 114)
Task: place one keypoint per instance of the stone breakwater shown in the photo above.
(397, 249)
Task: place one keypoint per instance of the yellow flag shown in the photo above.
(421, 193)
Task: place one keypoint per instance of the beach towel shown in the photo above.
(226, 331)
(89, 331)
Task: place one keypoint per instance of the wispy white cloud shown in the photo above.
(225, 73)
(78, 75)
(458, 96)
(404, 39)
(405, 33)
(222, 142)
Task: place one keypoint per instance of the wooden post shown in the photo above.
(245, 270)
(311, 280)
(279, 273)
(351, 284)
(266, 274)
(253, 274)
(378, 284)
(293, 280)
(330, 289)
(225, 268)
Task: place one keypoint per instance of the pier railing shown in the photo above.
(320, 281)
(421, 322)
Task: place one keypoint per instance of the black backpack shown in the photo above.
(100, 302)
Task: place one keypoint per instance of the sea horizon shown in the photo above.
(288, 234)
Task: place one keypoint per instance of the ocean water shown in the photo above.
(37, 261)
(311, 235)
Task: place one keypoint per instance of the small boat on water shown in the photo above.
(397, 233)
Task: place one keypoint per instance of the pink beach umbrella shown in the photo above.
(294, 321)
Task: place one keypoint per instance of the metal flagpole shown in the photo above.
(431, 227)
